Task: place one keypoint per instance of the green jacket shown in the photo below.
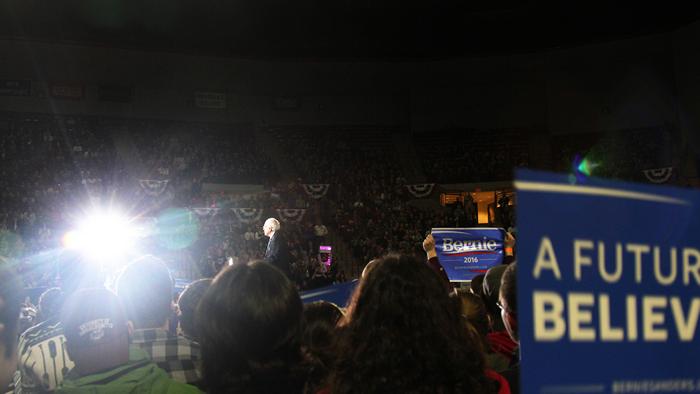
(139, 376)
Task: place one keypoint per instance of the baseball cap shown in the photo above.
(96, 330)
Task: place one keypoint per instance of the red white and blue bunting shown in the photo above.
(247, 215)
(420, 190)
(291, 215)
(153, 187)
(658, 175)
(316, 190)
(202, 212)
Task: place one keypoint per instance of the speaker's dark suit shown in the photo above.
(277, 252)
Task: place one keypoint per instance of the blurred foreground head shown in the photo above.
(402, 333)
(320, 321)
(508, 300)
(491, 287)
(145, 288)
(249, 324)
(96, 330)
(187, 304)
(11, 295)
(50, 303)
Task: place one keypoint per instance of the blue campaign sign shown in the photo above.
(468, 252)
(338, 294)
(608, 280)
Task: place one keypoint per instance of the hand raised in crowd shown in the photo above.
(509, 240)
(429, 246)
(429, 243)
(508, 243)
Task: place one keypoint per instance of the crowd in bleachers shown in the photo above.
(64, 152)
(389, 224)
(472, 155)
(203, 151)
(367, 187)
(55, 167)
(370, 206)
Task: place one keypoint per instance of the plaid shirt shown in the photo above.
(178, 356)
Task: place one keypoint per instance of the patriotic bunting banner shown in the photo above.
(291, 215)
(247, 215)
(420, 190)
(153, 187)
(205, 211)
(316, 190)
(658, 175)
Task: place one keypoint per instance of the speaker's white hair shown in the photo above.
(273, 223)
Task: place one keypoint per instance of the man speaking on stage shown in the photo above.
(277, 252)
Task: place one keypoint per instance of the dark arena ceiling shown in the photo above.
(339, 29)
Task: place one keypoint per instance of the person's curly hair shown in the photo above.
(403, 334)
(249, 324)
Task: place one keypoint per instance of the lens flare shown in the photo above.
(177, 228)
(585, 167)
(102, 235)
(582, 168)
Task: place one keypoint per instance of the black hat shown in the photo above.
(96, 330)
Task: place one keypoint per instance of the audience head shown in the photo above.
(146, 289)
(271, 225)
(50, 303)
(368, 267)
(402, 332)
(477, 285)
(474, 310)
(187, 304)
(320, 320)
(492, 283)
(96, 330)
(508, 301)
(10, 304)
(249, 324)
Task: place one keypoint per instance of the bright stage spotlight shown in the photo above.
(103, 236)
